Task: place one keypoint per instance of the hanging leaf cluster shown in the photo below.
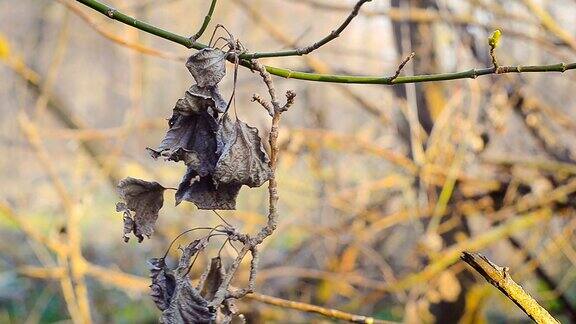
(178, 299)
(221, 153)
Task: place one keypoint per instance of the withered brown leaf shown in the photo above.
(143, 198)
(203, 98)
(128, 222)
(205, 193)
(207, 66)
(191, 139)
(242, 158)
(213, 280)
(186, 304)
(163, 283)
(208, 286)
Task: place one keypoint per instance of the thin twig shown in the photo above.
(309, 49)
(206, 21)
(402, 64)
(250, 244)
(273, 141)
(500, 278)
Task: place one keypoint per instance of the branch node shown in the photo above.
(473, 74)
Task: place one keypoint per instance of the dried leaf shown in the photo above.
(179, 301)
(128, 222)
(207, 66)
(187, 306)
(242, 157)
(191, 139)
(163, 283)
(143, 198)
(204, 193)
(213, 279)
(201, 98)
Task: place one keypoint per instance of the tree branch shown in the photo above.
(500, 278)
(206, 21)
(328, 312)
(308, 49)
(289, 74)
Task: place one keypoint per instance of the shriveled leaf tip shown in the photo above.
(207, 66)
(173, 292)
(142, 202)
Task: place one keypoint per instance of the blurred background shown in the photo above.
(381, 187)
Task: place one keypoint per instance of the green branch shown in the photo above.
(206, 21)
(286, 73)
(469, 74)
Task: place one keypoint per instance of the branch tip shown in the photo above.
(500, 278)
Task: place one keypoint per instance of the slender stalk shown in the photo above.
(308, 49)
(286, 73)
(206, 21)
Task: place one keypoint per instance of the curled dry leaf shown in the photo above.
(205, 193)
(242, 157)
(207, 66)
(203, 98)
(208, 286)
(173, 292)
(221, 156)
(163, 283)
(187, 306)
(213, 280)
(128, 222)
(191, 138)
(144, 199)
